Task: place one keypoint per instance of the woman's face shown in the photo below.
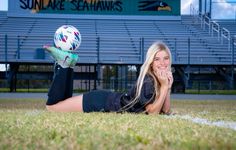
(161, 61)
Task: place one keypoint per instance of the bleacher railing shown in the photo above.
(208, 24)
(215, 28)
(118, 50)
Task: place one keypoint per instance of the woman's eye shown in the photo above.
(156, 59)
(166, 58)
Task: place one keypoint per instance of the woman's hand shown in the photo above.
(162, 77)
(170, 79)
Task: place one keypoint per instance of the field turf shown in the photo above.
(26, 124)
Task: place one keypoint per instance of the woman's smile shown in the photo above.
(161, 61)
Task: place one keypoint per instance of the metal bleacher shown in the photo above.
(219, 48)
(111, 41)
(201, 50)
(230, 25)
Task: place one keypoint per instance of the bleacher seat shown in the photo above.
(112, 41)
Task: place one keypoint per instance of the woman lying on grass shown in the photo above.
(150, 95)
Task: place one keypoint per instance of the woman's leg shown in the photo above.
(70, 84)
(73, 104)
(60, 92)
(61, 85)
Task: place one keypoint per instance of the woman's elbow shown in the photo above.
(151, 110)
(166, 110)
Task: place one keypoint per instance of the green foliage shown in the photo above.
(25, 124)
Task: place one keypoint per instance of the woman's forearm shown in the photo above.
(166, 105)
(156, 107)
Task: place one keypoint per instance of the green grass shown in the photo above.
(25, 90)
(222, 92)
(33, 90)
(25, 124)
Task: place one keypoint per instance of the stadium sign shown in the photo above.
(95, 7)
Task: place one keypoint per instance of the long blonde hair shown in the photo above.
(146, 69)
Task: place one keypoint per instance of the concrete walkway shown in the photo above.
(173, 96)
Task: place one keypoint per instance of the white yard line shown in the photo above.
(225, 124)
(34, 112)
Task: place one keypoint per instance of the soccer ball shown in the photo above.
(67, 37)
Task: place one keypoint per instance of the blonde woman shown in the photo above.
(150, 95)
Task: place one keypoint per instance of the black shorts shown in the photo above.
(95, 101)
